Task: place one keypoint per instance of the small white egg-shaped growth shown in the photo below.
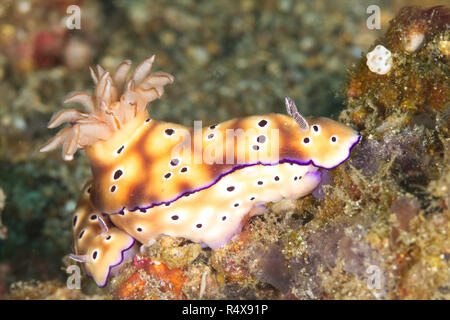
(413, 40)
(379, 60)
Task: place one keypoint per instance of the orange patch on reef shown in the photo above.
(172, 279)
(135, 287)
(132, 288)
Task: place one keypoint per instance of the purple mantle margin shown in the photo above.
(238, 167)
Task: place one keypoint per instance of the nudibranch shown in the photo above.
(153, 178)
(98, 243)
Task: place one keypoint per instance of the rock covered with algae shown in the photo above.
(47, 290)
(383, 214)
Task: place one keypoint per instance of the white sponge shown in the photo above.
(379, 60)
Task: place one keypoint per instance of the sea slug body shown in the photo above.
(153, 178)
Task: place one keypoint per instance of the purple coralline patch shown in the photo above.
(325, 181)
(406, 148)
(273, 269)
(322, 251)
(368, 156)
(324, 247)
(405, 209)
(355, 254)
